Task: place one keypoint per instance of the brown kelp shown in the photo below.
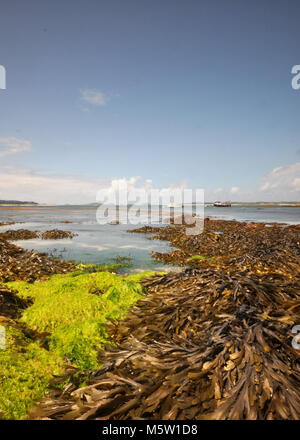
(211, 342)
(252, 246)
(17, 264)
(25, 234)
(19, 234)
(56, 234)
(11, 305)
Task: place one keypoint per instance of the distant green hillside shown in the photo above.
(16, 202)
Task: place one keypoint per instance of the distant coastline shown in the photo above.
(266, 204)
(16, 204)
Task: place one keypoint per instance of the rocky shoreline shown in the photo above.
(212, 342)
(51, 327)
(18, 264)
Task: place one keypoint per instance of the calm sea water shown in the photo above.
(103, 243)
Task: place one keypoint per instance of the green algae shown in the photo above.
(73, 308)
(25, 371)
(201, 258)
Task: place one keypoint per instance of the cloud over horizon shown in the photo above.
(28, 185)
(283, 180)
(281, 184)
(13, 145)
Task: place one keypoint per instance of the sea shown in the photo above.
(106, 243)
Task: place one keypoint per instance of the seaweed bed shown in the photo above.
(20, 264)
(211, 342)
(10, 304)
(53, 313)
(57, 234)
(25, 234)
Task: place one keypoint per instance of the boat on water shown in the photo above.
(173, 205)
(224, 204)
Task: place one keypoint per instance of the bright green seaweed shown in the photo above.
(73, 308)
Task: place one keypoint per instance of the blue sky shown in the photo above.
(194, 93)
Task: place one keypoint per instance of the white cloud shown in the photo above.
(234, 189)
(93, 97)
(121, 184)
(284, 179)
(218, 190)
(23, 184)
(13, 145)
(281, 184)
(296, 183)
